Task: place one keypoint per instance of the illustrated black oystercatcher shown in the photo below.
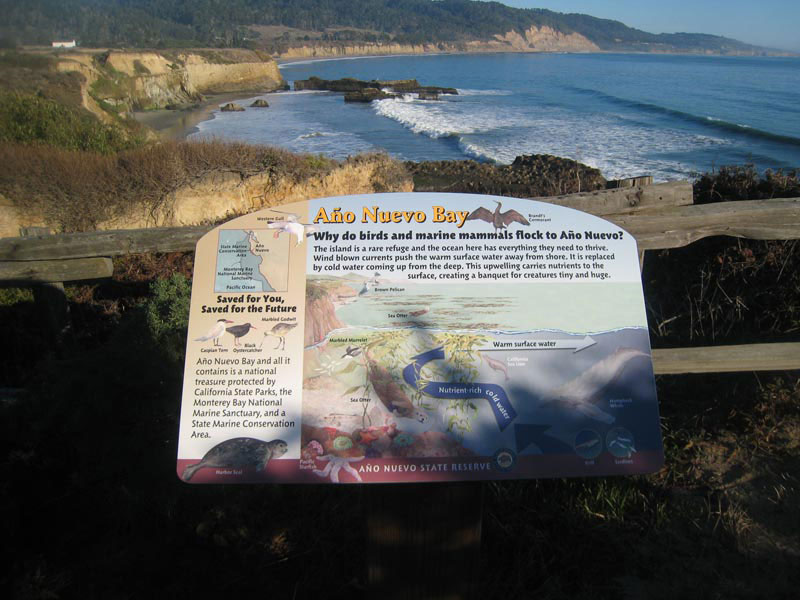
(238, 453)
(216, 332)
(238, 331)
(279, 331)
(499, 220)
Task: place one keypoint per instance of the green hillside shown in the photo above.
(241, 23)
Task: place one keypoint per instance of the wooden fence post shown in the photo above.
(50, 298)
(423, 540)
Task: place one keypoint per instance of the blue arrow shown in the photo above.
(504, 413)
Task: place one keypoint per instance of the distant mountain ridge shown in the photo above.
(279, 24)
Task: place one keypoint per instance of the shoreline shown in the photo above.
(177, 125)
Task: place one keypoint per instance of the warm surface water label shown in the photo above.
(417, 337)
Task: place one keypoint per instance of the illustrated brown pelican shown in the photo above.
(499, 220)
(279, 331)
(216, 332)
(238, 331)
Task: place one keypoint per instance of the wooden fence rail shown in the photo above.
(658, 216)
(671, 227)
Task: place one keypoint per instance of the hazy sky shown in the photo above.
(772, 23)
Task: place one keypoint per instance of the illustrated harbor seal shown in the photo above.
(237, 453)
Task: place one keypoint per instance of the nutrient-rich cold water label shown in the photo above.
(417, 337)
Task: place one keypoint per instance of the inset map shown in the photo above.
(252, 260)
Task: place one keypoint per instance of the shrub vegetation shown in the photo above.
(33, 119)
(76, 189)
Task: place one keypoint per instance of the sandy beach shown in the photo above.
(179, 124)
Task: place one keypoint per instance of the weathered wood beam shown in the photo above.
(629, 199)
(102, 243)
(47, 271)
(629, 182)
(669, 228)
(727, 359)
(680, 226)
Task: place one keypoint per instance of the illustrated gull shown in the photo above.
(292, 226)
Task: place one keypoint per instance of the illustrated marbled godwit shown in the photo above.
(279, 331)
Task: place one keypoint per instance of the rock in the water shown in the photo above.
(260, 103)
(367, 95)
(428, 96)
(348, 84)
(232, 107)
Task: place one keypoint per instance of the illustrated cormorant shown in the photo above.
(499, 220)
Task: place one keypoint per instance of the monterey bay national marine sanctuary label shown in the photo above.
(417, 337)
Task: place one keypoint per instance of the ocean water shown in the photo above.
(669, 116)
(564, 307)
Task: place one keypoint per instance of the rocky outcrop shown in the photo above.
(260, 103)
(367, 95)
(388, 87)
(527, 177)
(231, 107)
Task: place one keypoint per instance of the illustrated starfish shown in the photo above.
(335, 464)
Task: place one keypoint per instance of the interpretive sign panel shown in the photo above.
(417, 337)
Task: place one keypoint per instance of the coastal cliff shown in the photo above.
(122, 81)
(544, 39)
(535, 39)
